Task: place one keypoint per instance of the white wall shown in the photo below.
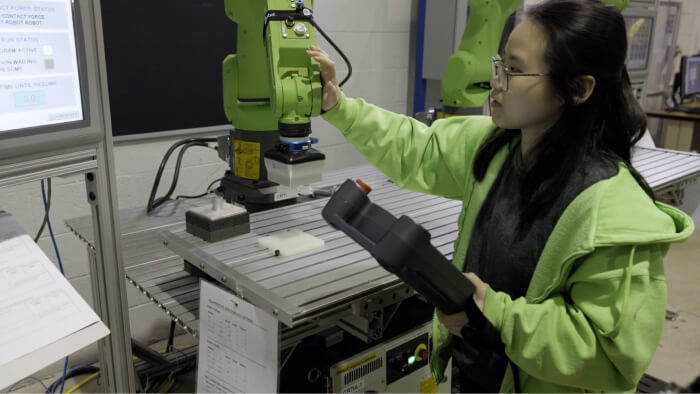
(689, 43)
(688, 40)
(374, 35)
(689, 32)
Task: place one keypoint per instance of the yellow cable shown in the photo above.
(96, 374)
(170, 386)
(163, 351)
(83, 382)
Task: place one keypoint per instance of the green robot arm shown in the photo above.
(271, 81)
(469, 68)
(271, 90)
(619, 4)
(295, 77)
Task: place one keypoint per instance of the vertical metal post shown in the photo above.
(108, 284)
(107, 267)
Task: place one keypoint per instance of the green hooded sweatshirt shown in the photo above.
(595, 307)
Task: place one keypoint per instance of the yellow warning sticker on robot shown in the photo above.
(429, 386)
(442, 115)
(246, 157)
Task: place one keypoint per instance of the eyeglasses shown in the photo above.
(502, 73)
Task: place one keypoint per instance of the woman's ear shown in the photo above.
(581, 88)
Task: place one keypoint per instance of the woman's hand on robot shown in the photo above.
(331, 90)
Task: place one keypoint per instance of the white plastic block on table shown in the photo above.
(291, 243)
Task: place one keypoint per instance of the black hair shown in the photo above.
(584, 37)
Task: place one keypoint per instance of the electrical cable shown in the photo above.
(177, 385)
(53, 238)
(166, 383)
(342, 55)
(176, 175)
(47, 208)
(96, 375)
(22, 380)
(170, 385)
(83, 382)
(157, 202)
(75, 371)
(171, 337)
(209, 191)
(151, 199)
(63, 379)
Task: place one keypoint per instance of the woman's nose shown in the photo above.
(496, 85)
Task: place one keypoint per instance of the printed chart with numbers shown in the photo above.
(238, 345)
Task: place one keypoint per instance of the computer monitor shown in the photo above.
(164, 71)
(48, 63)
(39, 72)
(640, 29)
(690, 76)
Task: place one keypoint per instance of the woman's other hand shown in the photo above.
(456, 322)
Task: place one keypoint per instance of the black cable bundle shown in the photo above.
(80, 370)
(47, 208)
(342, 55)
(154, 202)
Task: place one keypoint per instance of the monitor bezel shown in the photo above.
(684, 71)
(647, 61)
(80, 52)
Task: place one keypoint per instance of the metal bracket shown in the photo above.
(675, 193)
(91, 188)
(224, 149)
(371, 316)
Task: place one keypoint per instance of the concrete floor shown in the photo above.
(677, 360)
(678, 357)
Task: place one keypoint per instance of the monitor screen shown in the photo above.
(690, 75)
(39, 77)
(164, 70)
(639, 34)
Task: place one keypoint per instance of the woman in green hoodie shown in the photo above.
(559, 233)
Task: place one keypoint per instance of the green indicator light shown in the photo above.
(411, 360)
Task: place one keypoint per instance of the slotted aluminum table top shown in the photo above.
(302, 287)
(159, 273)
(662, 168)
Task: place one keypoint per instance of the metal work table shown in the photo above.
(159, 273)
(303, 290)
(317, 283)
(142, 249)
(681, 128)
(673, 114)
(667, 172)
